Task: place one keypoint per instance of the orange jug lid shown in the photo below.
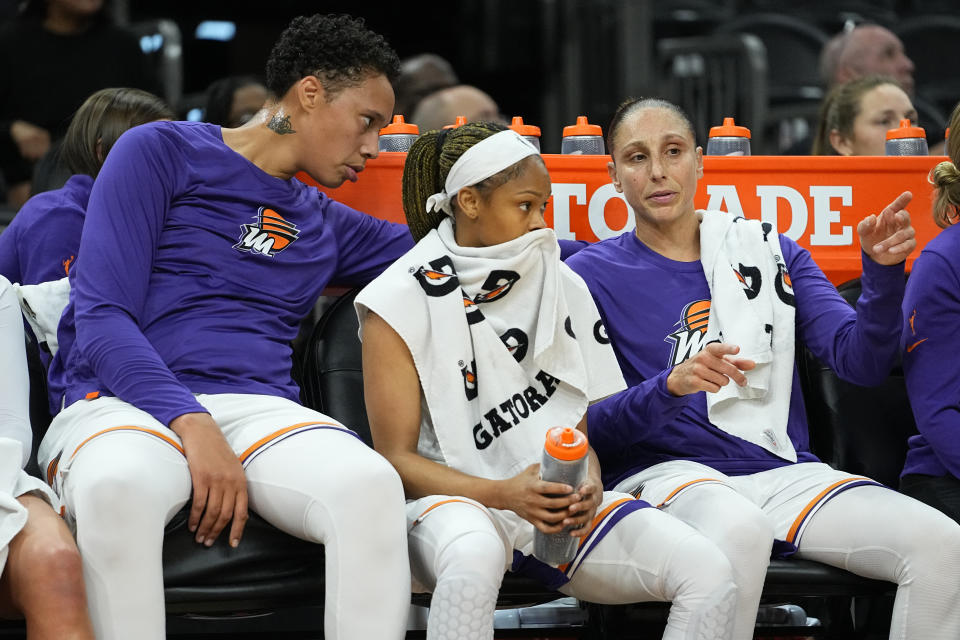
(460, 121)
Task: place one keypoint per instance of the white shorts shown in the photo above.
(250, 423)
(517, 533)
(788, 495)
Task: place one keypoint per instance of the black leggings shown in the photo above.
(940, 492)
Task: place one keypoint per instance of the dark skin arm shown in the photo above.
(392, 391)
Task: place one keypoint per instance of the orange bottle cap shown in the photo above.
(906, 131)
(524, 129)
(461, 120)
(399, 126)
(566, 443)
(582, 128)
(729, 130)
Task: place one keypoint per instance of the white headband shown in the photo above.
(484, 159)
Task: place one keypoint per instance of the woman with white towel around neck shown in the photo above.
(475, 343)
(695, 300)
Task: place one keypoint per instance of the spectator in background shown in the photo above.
(41, 243)
(931, 309)
(855, 117)
(853, 53)
(232, 101)
(420, 76)
(56, 53)
(865, 49)
(442, 108)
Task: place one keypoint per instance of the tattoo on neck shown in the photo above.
(280, 124)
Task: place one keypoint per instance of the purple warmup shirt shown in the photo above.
(931, 343)
(655, 310)
(196, 269)
(41, 243)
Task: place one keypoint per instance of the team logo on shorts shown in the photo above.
(691, 336)
(269, 235)
(439, 279)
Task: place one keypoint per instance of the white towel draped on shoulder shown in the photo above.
(752, 306)
(506, 340)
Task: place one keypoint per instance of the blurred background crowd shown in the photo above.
(768, 63)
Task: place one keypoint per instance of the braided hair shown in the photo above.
(429, 161)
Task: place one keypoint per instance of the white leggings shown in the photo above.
(15, 385)
(322, 485)
(459, 550)
(869, 530)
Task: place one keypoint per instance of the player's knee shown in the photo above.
(477, 555)
(373, 483)
(50, 568)
(935, 554)
(114, 495)
(700, 571)
(746, 535)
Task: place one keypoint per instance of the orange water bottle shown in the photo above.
(565, 461)
(398, 135)
(907, 140)
(728, 139)
(528, 131)
(582, 138)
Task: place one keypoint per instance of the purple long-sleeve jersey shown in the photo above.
(655, 310)
(196, 268)
(42, 241)
(931, 311)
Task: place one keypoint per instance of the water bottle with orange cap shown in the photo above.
(729, 139)
(907, 140)
(398, 135)
(582, 138)
(565, 461)
(528, 131)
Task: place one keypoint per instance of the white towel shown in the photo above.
(506, 340)
(14, 482)
(42, 305)
(751, 306)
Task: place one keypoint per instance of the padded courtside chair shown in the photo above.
(221, 590)
(332, 383)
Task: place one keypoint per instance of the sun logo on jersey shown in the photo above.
(691, 336)
(269, 235)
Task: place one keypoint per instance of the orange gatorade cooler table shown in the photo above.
(815, 200)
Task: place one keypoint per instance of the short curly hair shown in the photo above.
(338, 49)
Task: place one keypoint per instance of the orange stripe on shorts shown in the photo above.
(276, 434)
(682, 487)
(173, 443)
(792, 534)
